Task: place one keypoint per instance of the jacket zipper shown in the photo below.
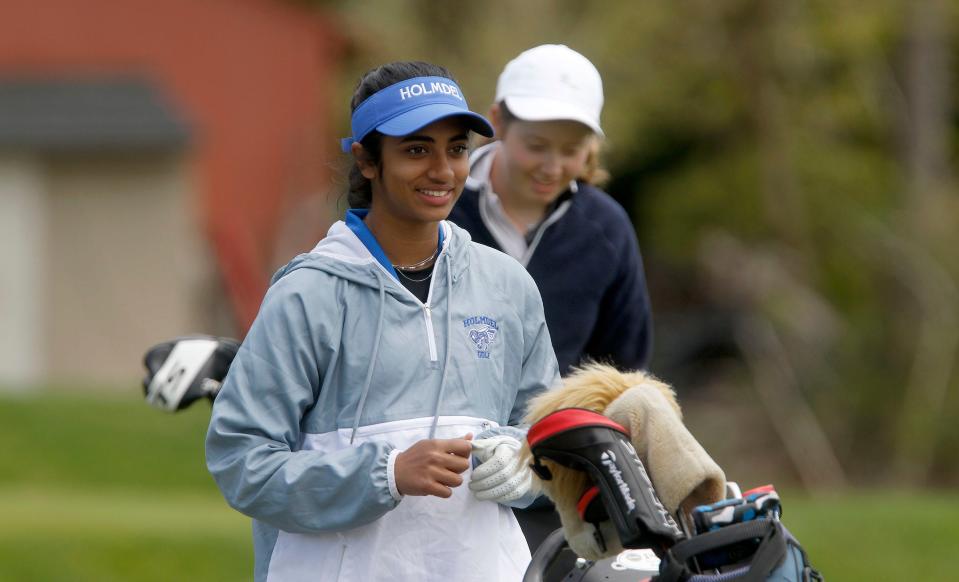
(339, 564)
(427, 313)
(430, 338)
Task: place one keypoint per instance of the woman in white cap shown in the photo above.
(528, 194)
(343, 427)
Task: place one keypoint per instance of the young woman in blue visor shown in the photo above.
(346, 423)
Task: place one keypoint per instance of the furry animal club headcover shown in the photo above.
(682, 473)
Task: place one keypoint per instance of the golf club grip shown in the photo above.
(545, 555)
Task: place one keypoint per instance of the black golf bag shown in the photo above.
(740, 538)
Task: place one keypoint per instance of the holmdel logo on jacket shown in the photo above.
(482, 332)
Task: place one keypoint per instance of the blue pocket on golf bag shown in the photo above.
(752, 551)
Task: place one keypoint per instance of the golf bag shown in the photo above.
(738, 539)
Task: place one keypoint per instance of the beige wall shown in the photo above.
(22, 250)
(125, 264)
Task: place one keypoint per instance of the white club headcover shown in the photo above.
(500, 476)
(180, 371)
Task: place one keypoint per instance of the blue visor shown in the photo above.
(410, 105)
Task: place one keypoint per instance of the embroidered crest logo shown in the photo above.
(482, 331)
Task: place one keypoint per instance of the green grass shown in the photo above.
(878, 535)
(64, 534)
(98, 487)
(102, 441)
(101, 487)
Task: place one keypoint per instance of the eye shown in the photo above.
(417, 150)
(459, 149)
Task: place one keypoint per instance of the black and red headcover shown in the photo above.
(621, 490)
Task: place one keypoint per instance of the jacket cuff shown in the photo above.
(530, 498)
(391, 475)
(517, 432)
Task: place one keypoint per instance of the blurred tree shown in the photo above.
(931, 190)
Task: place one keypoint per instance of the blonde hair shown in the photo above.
(594, 173)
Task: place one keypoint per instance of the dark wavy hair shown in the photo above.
(361, 190)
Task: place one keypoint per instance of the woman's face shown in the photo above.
(420, 176)
(538, 159)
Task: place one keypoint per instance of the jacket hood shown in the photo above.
(342, 254)
(480, 161)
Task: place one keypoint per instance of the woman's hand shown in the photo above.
(432, 466)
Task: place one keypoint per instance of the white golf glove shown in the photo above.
(500, 476)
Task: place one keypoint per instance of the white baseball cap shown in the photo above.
(552, 81)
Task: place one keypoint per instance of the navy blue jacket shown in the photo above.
(590, 273)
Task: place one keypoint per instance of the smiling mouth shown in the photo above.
(544, 186)
(434, 193)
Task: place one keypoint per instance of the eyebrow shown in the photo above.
(416, 137)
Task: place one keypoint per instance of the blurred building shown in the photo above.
(148, 153)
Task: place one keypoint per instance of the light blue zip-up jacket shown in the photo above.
(343, 369)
